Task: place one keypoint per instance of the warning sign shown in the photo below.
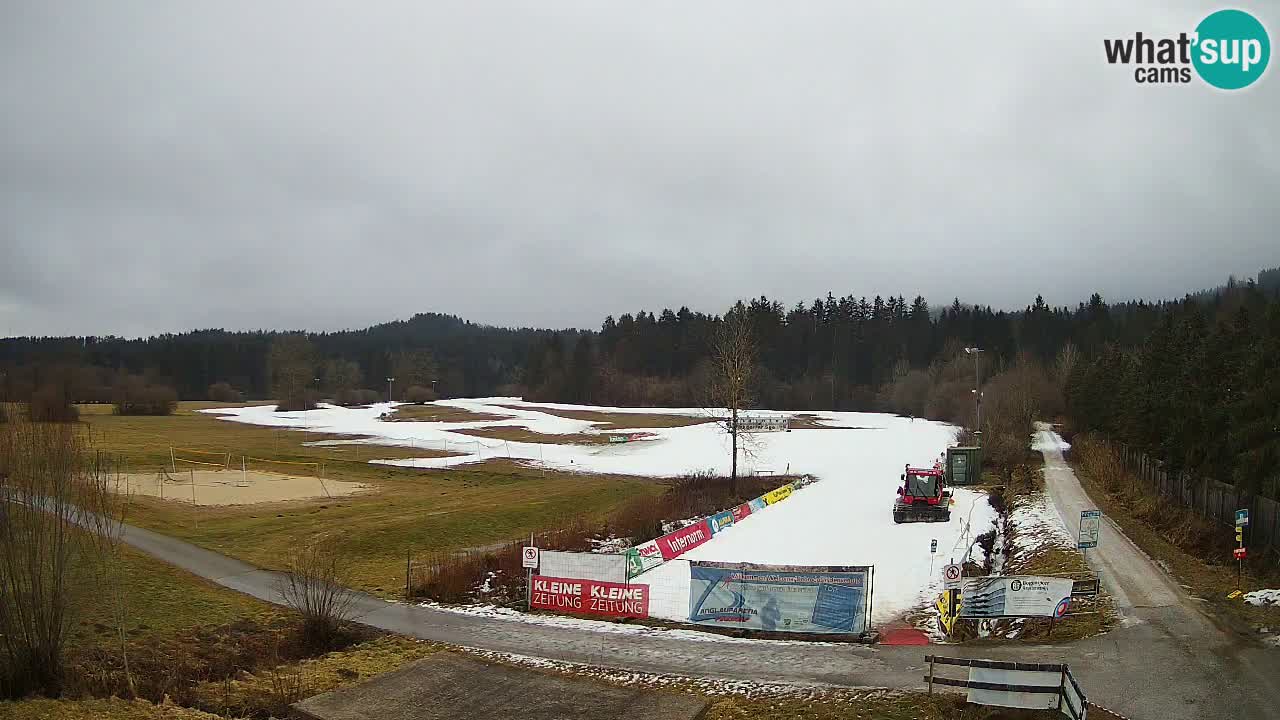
(951, 576)
(529, 557)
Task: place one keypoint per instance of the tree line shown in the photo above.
(1191, 382)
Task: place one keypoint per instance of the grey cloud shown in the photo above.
(323, 165)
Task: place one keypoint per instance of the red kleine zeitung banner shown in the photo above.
(589, 597)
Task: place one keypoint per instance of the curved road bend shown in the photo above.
(1172, 664)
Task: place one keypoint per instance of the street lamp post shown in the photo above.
(389, 381)
(977, 393)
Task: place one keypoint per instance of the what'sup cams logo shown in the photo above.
(1228, 50)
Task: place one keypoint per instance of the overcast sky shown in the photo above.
(168, 165)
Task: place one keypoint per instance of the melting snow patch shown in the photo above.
(1036, 525)
(1263, 598)
(604, 626)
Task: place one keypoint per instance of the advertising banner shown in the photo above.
(593, 566)
(741, 511)
(721, 520)
(778, 495)
(643, 558)
(758, 504)
(780, 598)
(589, 597)
(1015, 596)
(675, 544)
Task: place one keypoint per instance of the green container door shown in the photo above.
(964, 465)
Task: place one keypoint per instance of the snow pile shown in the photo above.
(1263, 598)
(1036, 524)
(846, 519)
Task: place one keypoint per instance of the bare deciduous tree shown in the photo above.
(733, 369)
(314, 585)
(46, 481)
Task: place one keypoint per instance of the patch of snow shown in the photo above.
(844, 520)
(1263, 598)
(1036, 524)
(604, 626)
(1047, 439)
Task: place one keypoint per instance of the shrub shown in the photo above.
(351, 396)
(223, 392)
(419, 394)
(134, 398)
(50, 404)
(304, 400)
(315, 585)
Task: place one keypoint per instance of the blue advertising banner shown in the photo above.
(721, 520)
(758, 504)
(779, 598)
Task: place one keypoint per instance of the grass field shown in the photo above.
(406, 511)
(160, 599)
(515, 433)
(441, 413)
(620, 420)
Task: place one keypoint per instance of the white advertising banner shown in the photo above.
(1015, 596)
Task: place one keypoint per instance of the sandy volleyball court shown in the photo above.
(232, 487)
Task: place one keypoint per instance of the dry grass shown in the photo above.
(161, 600)
(113, 709)
(620, 420)
(408, 509)
(269, 692)
(515, 433)
(441, 413)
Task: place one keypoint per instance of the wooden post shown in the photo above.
(930, 674)
(1062, 686)
(408, 565)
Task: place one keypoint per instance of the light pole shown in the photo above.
(977, 393)
(389, 381)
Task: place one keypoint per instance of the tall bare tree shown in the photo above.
(733, 370)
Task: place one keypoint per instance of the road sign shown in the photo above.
(1242, 518)
(529, 557)
(1239, 553)
(1090, 528)
(933, 545)
(951, 576)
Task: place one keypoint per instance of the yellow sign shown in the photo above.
(948, 608)
(778, 495)
(1234, 594)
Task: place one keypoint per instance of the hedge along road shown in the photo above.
(1165, 663)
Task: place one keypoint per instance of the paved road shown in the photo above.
(1167, 663)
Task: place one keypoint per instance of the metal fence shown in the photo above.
(1212, 499)
(1033, 686)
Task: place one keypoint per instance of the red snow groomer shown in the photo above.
(923, 496)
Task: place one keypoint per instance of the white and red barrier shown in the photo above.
(589, 597)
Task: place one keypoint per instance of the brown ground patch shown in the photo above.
(440, 413)
(612, 421)
(232, 487)
(515, 433)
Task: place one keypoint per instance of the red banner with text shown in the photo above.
(675, 544)
(589, 597)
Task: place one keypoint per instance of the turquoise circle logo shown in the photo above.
(1232, 49)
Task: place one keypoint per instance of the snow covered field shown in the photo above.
(845, 519)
